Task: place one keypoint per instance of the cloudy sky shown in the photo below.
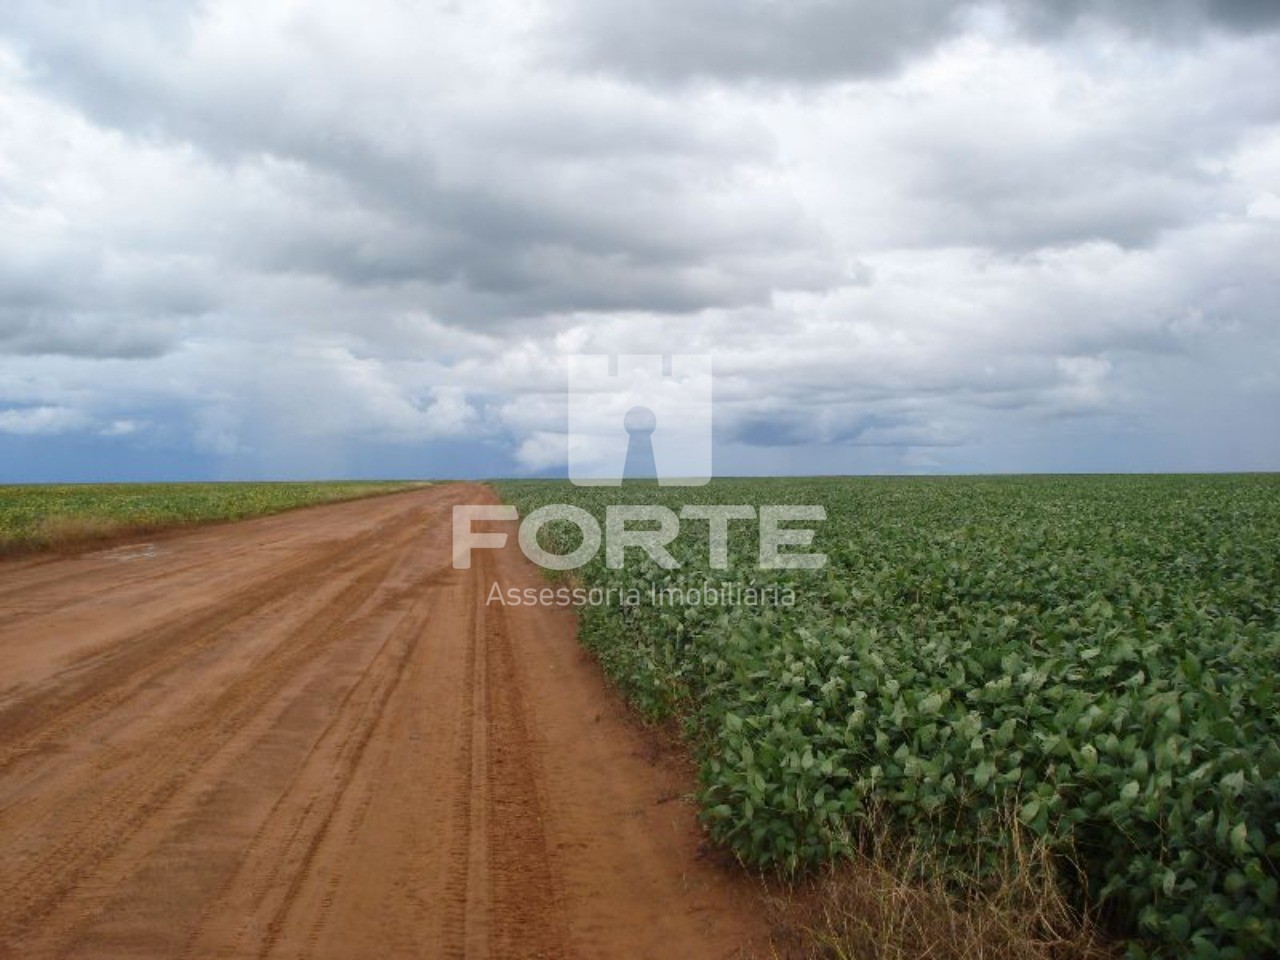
(287, 239)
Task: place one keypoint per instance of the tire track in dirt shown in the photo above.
(336, 752)
(353, 736)
(313, 737)
(43, 575)
(145, 780)
(462, 926)
(104, 679)
(99, 817)
(524, 882)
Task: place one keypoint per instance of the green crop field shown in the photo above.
(43, 516)
(1095, 658)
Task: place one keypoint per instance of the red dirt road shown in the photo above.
(307, 735)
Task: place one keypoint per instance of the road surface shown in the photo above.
(308, 736)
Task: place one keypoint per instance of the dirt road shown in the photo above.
(308, 736)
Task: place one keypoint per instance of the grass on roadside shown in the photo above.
(35, 518)
(889, 901)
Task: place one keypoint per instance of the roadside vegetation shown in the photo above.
(71, 516)
(1081, 667)
(889, 898)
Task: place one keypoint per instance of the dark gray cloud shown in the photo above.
(803, 40)
(819, 41)
(1161, 20)
(520, 198)
(846, 425)
(70, 334)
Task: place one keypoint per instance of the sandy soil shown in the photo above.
(307, 735)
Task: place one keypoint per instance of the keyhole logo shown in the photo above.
(640, 418)
(640, 423)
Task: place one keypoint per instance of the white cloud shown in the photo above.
(235, 229)
(122, 428)
(41, 420)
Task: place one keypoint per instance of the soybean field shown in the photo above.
(1091, 660)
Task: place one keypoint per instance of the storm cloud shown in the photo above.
(269, 240)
